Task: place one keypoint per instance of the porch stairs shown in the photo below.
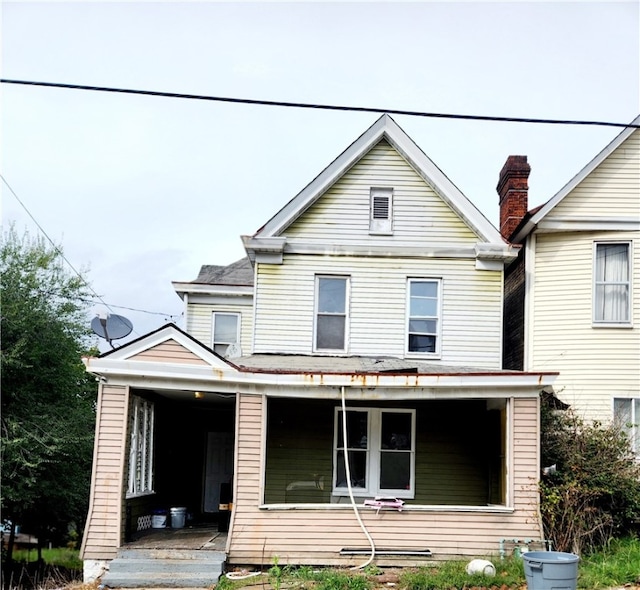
(164, 568)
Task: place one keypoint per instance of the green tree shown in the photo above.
(48, 399)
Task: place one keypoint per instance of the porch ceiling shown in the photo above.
(208, 398)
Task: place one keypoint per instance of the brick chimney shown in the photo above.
(513, 188)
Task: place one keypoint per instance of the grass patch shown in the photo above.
(452, 574)
(615, 565)
(62, 557)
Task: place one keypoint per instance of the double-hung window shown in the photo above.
(423, 316)
(226, 331)
(331, 313)
(141, 424)
(612, 283)
(380, 448)
(626, 414)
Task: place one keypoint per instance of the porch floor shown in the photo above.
(207, 538)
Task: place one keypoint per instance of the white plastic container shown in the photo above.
(159, 519)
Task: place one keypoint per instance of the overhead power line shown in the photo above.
(46, 235)
(300, 105)
(98, 298)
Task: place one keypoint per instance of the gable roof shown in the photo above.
(166, 333)
(384, 128)
(535, 216)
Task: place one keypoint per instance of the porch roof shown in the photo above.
(293, 364)
(171, 359)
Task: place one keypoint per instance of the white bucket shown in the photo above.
(159, 521)
(178, 516)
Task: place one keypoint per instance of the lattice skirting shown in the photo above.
(144, 522)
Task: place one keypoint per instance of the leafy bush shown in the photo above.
(594, 492)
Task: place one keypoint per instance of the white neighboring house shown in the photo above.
(572, 298)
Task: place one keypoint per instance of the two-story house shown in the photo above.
(344, 379)
(573, 295)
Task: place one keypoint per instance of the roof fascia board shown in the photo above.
(568, 224)
(494, 251)
(241, 301)
(537, 217)
(325, 391)
(303, 382)
(209, 289)
(385, 127)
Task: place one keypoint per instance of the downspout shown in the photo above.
(347, 469)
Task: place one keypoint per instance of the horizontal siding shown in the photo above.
(169, 352)
(200, 323)
(341, 215)
(611, 190)
(103, 528)
(471, 311)
(316, 536)
(526, 456)
(595, 364)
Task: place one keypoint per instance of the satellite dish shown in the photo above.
(111, 327)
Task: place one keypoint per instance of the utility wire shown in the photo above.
(160, 313)
(300, 105)
(73, 268)
(55, 246)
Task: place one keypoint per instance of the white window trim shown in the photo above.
(141, 447)
(607, 324)
(380, 226)
(347, 298)
(213, 328)
(374, 451)
(633, 430)
(438, 352)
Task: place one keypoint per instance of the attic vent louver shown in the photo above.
(380, 207)
(381, 210)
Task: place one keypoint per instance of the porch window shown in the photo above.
(141, 425)
(380, 446)
(423, 317)
(626, 413)
(331, 313)
(612, 285)
(226, 332)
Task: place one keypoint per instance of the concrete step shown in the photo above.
(162, 568)
(200, 554)
(174, 580)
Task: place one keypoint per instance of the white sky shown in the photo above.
(141, 191)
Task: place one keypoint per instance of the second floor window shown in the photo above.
(331, 313)
(226, 327)
(423, 322)
(611, 301)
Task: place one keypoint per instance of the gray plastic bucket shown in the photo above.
(178, 516)
(550, 570)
